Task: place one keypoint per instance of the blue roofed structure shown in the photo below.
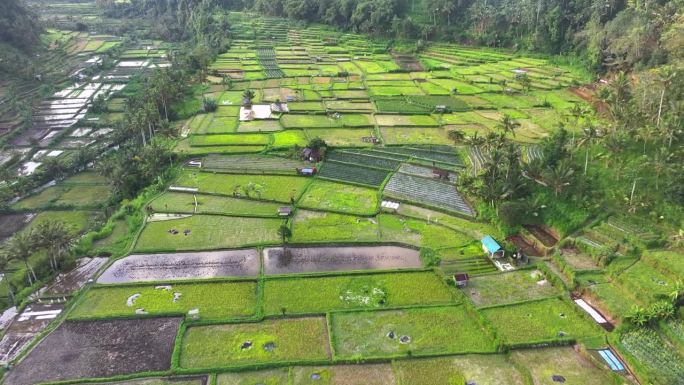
(492, 247)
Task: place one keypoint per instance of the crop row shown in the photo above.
(425, 172)
(427, 191)
(666, 364)
(353, 174)
(477, 157)
(364, 160)
(426, 154)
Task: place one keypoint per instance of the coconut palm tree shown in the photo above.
(56, 238)
(4, 264)
(20, 248)
(508, 125)
(660, 163)
(589, 135)
(559, 177)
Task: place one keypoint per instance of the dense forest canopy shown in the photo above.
(606, 33)
(18, 26)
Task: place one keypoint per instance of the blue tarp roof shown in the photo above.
(611, 360)
(490, 244)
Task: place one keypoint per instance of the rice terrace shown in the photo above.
(362, 192)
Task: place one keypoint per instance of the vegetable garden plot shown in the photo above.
(444, 155)
(363, 160)
(353, 174)
(251, 164)
(273, 340)
(663, 363)
(425, 172)
(427, 191)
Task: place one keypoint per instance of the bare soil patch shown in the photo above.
(87, 349)
(11, 223)
(338, 258)
(578, 260)
(168, 266)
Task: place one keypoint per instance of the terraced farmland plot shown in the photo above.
(398, 332)
(425, 172)
(663, 363)
(427, 191)
(363, 160)
(426, 154)
(353, 174)
(267, 187)
(251, 164)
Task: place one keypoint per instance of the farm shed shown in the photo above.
(311, 155)
(492, 247)
(461, 279)
(307, 171)
(284, 211)
(280, 107)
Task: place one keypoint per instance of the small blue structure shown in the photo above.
(492, 247)
(611, 360)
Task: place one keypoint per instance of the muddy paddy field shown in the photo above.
(93, 349)
(68, 283)
(172, 266)
(321, 259)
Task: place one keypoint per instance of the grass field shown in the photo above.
(367, 291)
(509, 287)
(216, 300)
(276, 188)
(332, 196)
(263, 342)
(208, 232)
(310, 226)
(537, 321)
(430, 331)
(176, 202)
(544, 363)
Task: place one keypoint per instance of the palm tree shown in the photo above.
(475, 140)
(508, 125)
(4, 263)
(665, 77)
(589, 134)
(56, 238)
(559, 177)
(660, 163)
(456, 135)
(20, 248)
